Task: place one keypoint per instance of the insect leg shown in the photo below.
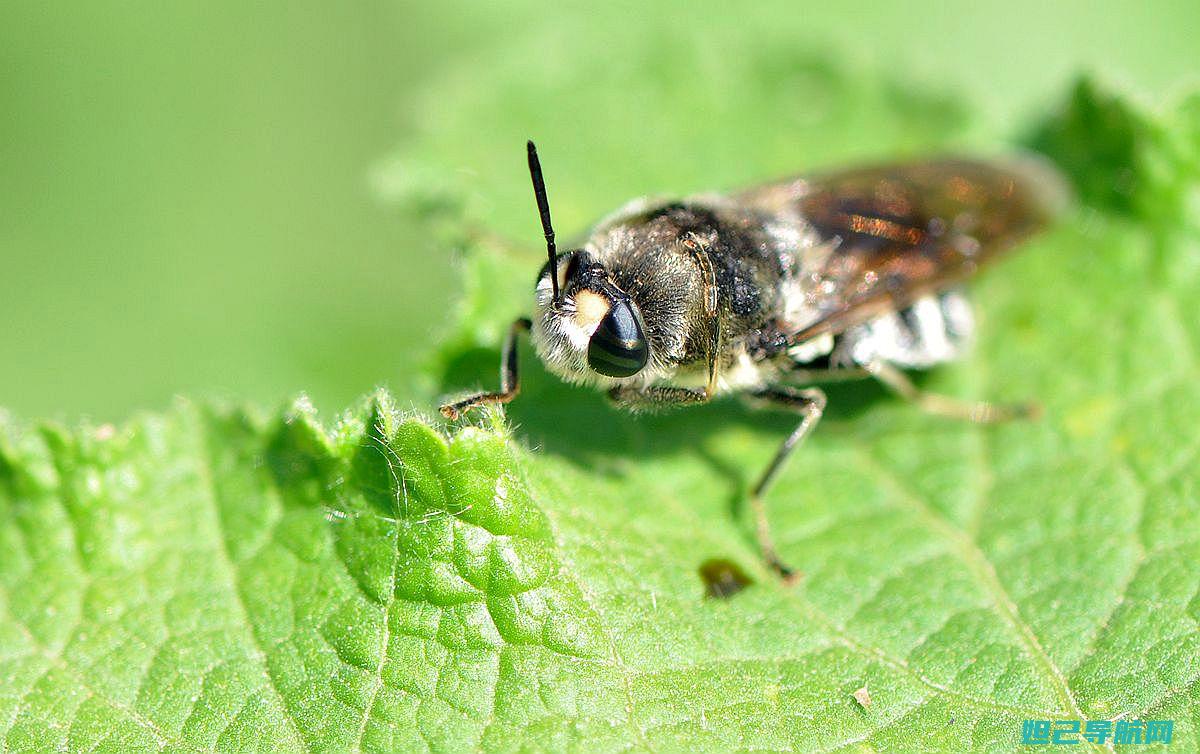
(698, 251)
(510, 384)
(980, 412)
(804, 376)
(810, 404)
(652, 397)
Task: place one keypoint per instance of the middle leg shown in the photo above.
(810, 404)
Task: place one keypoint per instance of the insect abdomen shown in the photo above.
(933, 330)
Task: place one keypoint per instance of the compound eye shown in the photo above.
(618, 347)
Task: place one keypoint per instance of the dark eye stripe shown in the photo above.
(614, 365)
(618, 347)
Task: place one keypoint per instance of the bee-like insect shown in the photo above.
(850, 273)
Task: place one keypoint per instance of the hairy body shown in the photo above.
(669, 303)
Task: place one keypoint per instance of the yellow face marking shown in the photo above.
(590, 308)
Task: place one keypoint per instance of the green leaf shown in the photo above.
(214, 579)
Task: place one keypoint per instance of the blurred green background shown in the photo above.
(187, 202)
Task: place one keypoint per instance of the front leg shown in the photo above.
(650, 398)
(510, 383)
(698, 251)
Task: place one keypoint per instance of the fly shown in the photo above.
(764, 292)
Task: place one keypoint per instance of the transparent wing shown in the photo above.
(893, 233)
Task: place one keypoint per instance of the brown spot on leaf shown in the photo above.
(723, 578)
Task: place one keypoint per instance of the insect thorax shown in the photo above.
(690, 266)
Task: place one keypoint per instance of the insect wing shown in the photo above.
(891, 234)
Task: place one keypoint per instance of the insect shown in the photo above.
(768, 291)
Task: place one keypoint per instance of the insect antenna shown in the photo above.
(539, 193)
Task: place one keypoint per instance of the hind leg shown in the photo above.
(979, 412)
(932, 330)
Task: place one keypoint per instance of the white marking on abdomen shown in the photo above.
(934, 329)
